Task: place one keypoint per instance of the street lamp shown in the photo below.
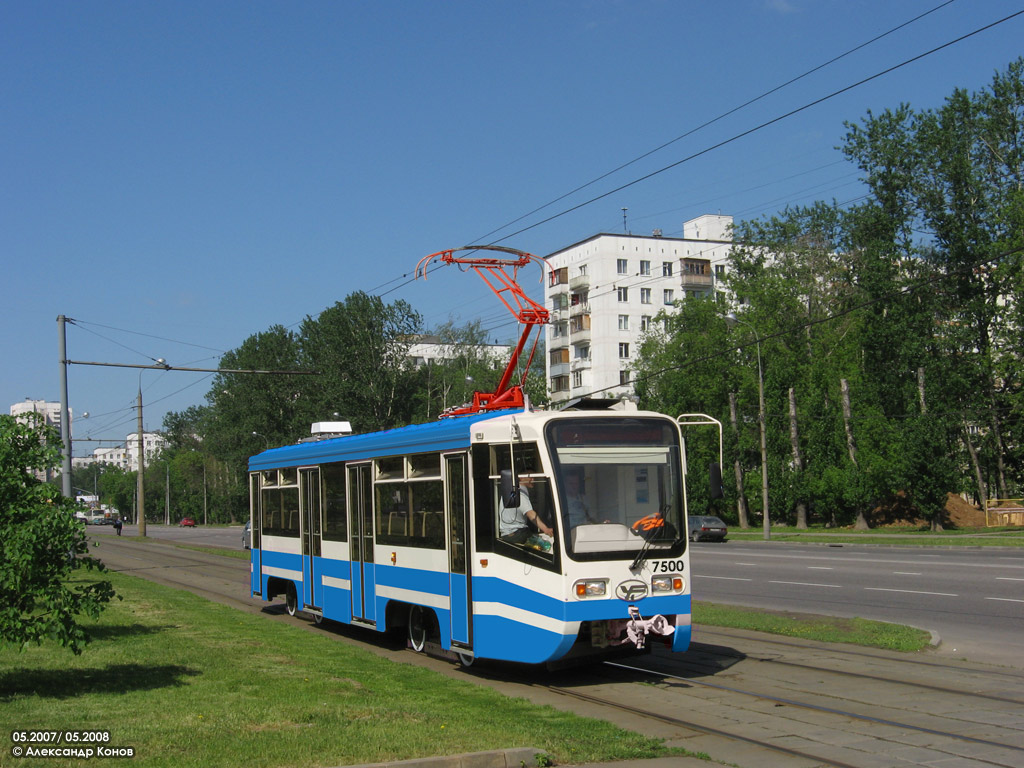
(732, 320)
(266, 442)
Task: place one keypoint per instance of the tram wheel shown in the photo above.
(418, 623)
(291, 600)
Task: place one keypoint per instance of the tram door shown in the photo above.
(360, 516)
(256, 524)
(312, 584)
(457, 505)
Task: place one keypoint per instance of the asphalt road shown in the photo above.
(973, 598)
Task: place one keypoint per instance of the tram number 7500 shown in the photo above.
(667, 566)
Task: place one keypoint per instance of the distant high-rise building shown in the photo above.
(50, 414)
(49, 411)
(604, 293)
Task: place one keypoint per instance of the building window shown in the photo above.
(621, 266)
(623, 377)
(645, 268)
(666, 269)
(645, 295)
(583, 269)
(645, 322)
(623, 349)
(669, 297)
(582, 353)
(719, 271)
(623, 322)
(577, 378)
(623, 294)
(560, 384)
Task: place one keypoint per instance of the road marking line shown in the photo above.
(1005, 599)
(1007, 578)
(905, 573)
(910, 591)
(722, 578)
(806, 584)
(819, 568)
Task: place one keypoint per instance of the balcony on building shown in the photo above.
(696, 273)
(576, 310)
(579, 329)
(580, 283)
(558, 281)
(558, 361)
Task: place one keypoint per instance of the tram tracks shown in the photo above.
(825, 716)
(853, 652)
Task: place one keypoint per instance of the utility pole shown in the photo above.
(159, 364)
(65, 414)
(141, 492)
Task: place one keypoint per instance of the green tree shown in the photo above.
(41, 543)
(360, 347)
(117, 488)
(680, 369)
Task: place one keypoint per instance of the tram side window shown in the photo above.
(410, 501)
(281, 511)
(335, 516)
(428, 514)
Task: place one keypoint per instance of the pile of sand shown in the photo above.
(963, 514)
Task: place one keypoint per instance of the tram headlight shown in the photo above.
(663, 584)
(587, 588)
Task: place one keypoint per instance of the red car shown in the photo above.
(187, 522)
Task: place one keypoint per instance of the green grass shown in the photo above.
(187, 682)
(890, 536)
(826, 629)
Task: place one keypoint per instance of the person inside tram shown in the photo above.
(516, 524)
(576, 510)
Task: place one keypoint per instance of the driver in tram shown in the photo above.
(514, 523)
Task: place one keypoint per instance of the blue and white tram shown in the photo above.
(410, 528)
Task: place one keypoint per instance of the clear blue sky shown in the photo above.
(197, 172)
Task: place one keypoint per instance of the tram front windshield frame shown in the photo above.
(620, 486)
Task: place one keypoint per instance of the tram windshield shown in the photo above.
(619, 485)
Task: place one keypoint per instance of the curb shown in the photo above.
(520, 757)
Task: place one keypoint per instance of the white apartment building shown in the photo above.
(605, 291)
(49, 411)
(127, 456)
(431, 349)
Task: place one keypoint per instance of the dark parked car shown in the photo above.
(187, 522)
(707, 528)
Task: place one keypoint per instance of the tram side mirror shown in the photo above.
(509, 489)
(716, 481)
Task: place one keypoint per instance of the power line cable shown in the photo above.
(672, 141)
(760, 127)
(707, 123)
(80, 323)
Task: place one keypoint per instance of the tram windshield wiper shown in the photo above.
(651, 533)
